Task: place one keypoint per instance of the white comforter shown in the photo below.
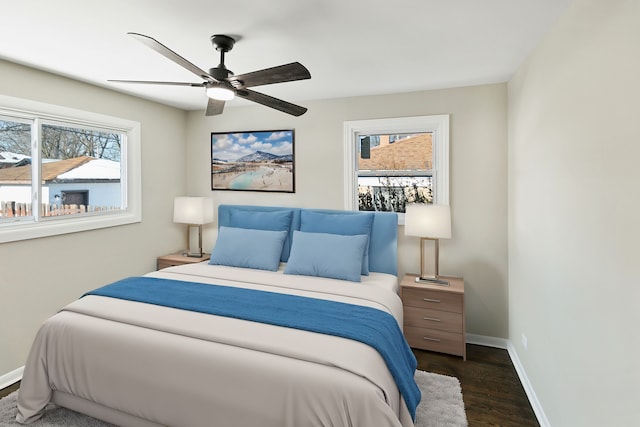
(139, 364)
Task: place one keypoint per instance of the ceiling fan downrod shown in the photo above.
(223, 44)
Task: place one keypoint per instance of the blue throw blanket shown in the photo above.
(371, 326)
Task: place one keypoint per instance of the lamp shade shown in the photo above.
(425, 220)
(193, 210)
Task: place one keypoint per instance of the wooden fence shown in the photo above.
(16, 209)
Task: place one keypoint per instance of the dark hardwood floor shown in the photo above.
(491, 389)
(6, 391)
(492, 393)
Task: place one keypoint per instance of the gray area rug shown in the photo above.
(441, 406)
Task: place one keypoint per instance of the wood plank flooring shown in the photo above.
(491, 389)
(11, 388)
(492, 393)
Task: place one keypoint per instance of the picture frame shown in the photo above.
(259, 160)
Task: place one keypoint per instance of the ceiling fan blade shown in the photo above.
(159, 83)
(214, 107)
(168, 53)
(282, 73)
(269, 101)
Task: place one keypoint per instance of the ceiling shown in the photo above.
(351, 47)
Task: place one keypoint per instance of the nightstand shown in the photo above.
(434, 315)
(178, 259)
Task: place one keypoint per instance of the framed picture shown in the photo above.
(253, 161)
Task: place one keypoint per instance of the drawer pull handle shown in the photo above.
(431, 339)
(433, 319)
(430, 300)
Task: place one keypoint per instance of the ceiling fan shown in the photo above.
(222, 85)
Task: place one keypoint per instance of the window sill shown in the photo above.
(32, 230)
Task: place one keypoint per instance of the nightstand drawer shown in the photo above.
(433, 319)
(434, 300)
(167, 264)
(431, 339)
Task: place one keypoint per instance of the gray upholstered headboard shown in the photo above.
(383, 245)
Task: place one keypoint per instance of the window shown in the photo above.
(394, 170)
(391, 162)
(64, 170)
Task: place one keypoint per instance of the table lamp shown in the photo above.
(429, 222)
(193, 211)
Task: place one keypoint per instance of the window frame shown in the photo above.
(130, 177)
(438, 125)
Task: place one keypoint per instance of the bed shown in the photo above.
(241, 340)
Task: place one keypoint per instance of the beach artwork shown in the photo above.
(253, 161)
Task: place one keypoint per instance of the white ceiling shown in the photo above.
(351, 47)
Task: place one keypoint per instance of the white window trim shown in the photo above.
(131, 192)
(437, 124)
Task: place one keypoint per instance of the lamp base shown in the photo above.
(432, 281)
(194, 237)
(194, 254)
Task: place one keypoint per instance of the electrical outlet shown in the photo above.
(524, 341)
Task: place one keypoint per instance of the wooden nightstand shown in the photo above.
(434, 315)
(178, 259)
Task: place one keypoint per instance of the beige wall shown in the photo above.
(478, 249)
(39, 276)
(574, 145)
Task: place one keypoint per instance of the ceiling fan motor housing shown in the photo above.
(220, 72)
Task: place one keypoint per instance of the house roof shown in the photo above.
(9, 157)
(92, 170)
(76, 168)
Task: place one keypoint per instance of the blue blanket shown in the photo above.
(371, 326)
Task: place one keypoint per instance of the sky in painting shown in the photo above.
(232, 146)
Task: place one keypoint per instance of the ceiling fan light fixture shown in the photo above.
(221, 93)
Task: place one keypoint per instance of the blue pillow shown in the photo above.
(261, 220)
(264, 220)
(248, 248)
(345, 224)
(327, 255)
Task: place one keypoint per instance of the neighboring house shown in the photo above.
(79, 180)
(10, 160)
(413, 153)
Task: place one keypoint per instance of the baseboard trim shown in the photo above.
(517, 364)
(11, 378)
(488, 341)
(528, 388)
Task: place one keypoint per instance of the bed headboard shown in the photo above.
(383, 245)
